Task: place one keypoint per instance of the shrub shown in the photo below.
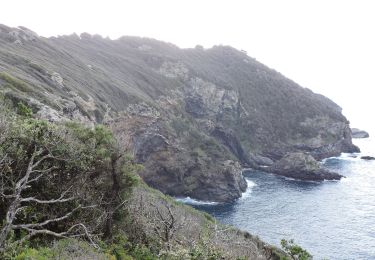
(24, 110)
(15, 83)
(295, 251)
(77, 184)
(63, 249)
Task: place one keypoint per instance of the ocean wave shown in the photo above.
(190, 201)
(344, 157)
(249, 190)
(296, 180)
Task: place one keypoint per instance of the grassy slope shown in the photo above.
(118, 73)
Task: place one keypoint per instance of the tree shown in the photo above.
(59, 180)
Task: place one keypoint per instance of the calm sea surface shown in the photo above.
(332, 220)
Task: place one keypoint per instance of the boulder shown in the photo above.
(367, 158)
(302, 166)
(261, 160)
(357, 133)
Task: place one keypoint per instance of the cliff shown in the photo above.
(192, 117)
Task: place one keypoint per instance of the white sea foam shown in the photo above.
(190, 201)
(296, 180)
(345, 157)
(249, 190)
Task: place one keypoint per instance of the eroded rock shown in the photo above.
(56, 77)
(302, 166)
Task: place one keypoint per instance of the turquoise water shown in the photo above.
(334, 220)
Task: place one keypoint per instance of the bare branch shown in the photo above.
(61, 199)
(89, 236)
(20, 209)
(7, 196)
(42, 173)
(45, 157)
(46, 222)
(66, 234)
(3, 159)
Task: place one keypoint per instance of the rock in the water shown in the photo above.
(367, 158)
(357, 133)
(302, 166)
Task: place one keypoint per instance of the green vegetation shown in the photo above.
(295, 251)
(67, 192)
(81, 180)
(24, 110)
(14, 83)
(59, 181)
(37, 67)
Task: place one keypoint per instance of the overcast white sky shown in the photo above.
(327, 46)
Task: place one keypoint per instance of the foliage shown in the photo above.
(24, 110)
(295, 251)
(14, 82)
(77, 184)
(63, 249)
(122, 249)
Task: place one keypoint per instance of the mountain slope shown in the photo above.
(190, 116)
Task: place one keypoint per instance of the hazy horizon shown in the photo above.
(324, 46)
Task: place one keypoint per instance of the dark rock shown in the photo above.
(302, 166)
(230, 184)
(334, 149)
(171, 168)
(367, 158)
(261, 160)
(194, 105)
(183, 176)
(357, 133)
(147, 144)
(228, 138)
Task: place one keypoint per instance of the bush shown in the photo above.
(24, 110)
(63, 249)
(295, 251)
(15, 83)
(77, 186)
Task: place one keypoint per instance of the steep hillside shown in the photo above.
(67, 191)
(190, 116)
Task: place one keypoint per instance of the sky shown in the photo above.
(325, 45)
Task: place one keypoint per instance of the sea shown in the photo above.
(330, 219)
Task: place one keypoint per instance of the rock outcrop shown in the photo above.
(369, 158)
(302, 166)
(190, 116)
(357, 133)
(202, 171)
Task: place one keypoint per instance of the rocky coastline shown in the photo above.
(192, 117)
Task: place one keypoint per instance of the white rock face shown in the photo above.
(142, 109)
(17, 42)
(56, 77)
(49, 114)
(215, 99)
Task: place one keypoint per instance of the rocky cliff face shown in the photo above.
(190, 116)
